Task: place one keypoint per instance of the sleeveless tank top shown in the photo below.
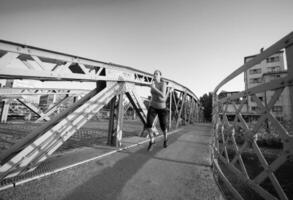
(157, 101)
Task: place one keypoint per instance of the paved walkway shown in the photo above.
(181, 171)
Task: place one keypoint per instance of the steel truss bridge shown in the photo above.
(115, 83)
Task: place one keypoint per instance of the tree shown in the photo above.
(207, 102)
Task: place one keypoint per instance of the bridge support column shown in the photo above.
(4, 110)
(170, 110)
(116, 120)
(191, 110)
(111, 121)
(195, 113)
(289, 56)
(185, 110)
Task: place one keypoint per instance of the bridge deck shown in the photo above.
(182, 171)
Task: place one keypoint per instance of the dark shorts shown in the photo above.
(162, 114)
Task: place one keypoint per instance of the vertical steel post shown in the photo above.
(170, 109)
(4, 110)
(119, 127)
(191, 107)
(191, 110)
(215, 123)
(185, 110)
(194, 116)
(111, 121)
(6, 103)
(115, 127)
(289, 57)
(196, 112)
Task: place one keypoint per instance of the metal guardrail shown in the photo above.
(229, 152)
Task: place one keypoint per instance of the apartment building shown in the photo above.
(229, 108)
(269, 69)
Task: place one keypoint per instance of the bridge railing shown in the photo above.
(113, 84)
(239, 131)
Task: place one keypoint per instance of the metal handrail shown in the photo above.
(225, 129)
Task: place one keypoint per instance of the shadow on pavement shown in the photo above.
(109, 183)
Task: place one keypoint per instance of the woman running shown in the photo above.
(157, 107)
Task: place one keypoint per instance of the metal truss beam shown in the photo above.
(17, 92)
(181, 108)
(41, 64)
(52, 109)
(137, 104)
(34, 109)
(39, 145)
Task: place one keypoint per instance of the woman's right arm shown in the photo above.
(162, 93)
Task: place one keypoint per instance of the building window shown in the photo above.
(277, 109)
(273, 59)
(255, 71)
(260, 98)
(275, 76)
(255, 80)
(254, 108)
(274, 69)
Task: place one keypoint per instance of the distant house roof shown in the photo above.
(224, 93)
(252, 56)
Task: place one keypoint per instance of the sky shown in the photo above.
(194, 42)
